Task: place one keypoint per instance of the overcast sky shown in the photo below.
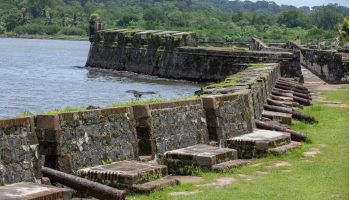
(309, 3)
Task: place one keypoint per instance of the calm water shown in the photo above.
(42, 75)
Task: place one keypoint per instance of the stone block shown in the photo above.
(284, 118)
(225, 166)
(154, 185)
(47, 122)
(123, 174)
(284, 148)
(141, 111)
(33, 191)
(257, 143)
(180, 161)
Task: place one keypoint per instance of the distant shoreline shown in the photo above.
(46, 37)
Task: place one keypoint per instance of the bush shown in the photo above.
(73, 31)
(37, 29)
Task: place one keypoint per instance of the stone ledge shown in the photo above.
(154, 185)
(285, 148)
(284, 118)
(123, 174)
(20, 121)
(225, 166)
(33, 191)
(174, 104)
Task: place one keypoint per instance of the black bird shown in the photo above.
(138, 94)
(199, 92)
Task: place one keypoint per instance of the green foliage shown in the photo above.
(73, 30)
(292, 18)
(343, 30)
(26, 114)
(107, 161)
(37, 28)
(212, 20)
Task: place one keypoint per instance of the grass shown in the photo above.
(338, 96)
(322, 177)
(113, 105)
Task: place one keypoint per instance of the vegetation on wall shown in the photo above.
(213, 20)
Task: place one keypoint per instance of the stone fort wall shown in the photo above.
(331, 66)
(71, 141)
(174, 54)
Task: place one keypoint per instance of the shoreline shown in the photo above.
(46, 37)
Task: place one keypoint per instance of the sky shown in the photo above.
(309, 3)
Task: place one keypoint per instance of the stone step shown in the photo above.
(284, 118)
(33, 191)
(225, 166)
(183, 161)
(154, 185)
(284, 148)
(123, 174)
(257, 143)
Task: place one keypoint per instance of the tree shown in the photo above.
(343, 30)
(292, 18)
(125, 20)
(326, 17)
(12, 19)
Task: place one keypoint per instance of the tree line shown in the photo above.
(213, 20)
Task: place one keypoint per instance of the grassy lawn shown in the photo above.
(324, 176)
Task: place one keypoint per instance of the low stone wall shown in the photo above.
(71, 141)
(176, 55)
(19, 156)
(330, 66)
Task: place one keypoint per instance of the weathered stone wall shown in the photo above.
(71, 141)
(330, 66)
(229, 115)
(233, 114)
(19, 156)
(178, 124)
(174, 54)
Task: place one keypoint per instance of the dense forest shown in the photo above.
(213, 20)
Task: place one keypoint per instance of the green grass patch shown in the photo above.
(322, 177)
(137, 102)
(65, 110)
(339, 96)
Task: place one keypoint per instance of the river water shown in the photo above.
(42, 75)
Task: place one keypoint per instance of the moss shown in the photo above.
(65, 110)
(106, 162)
(136, 102)
(26, 114)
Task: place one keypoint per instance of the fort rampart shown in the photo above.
(71, 141)
(176, 55)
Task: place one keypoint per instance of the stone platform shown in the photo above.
(284, 118)
(183, 161)
(33, 191)
(124, 174)
(257, 143)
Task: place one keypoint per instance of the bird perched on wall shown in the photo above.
(199, 92)
(138, 94)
